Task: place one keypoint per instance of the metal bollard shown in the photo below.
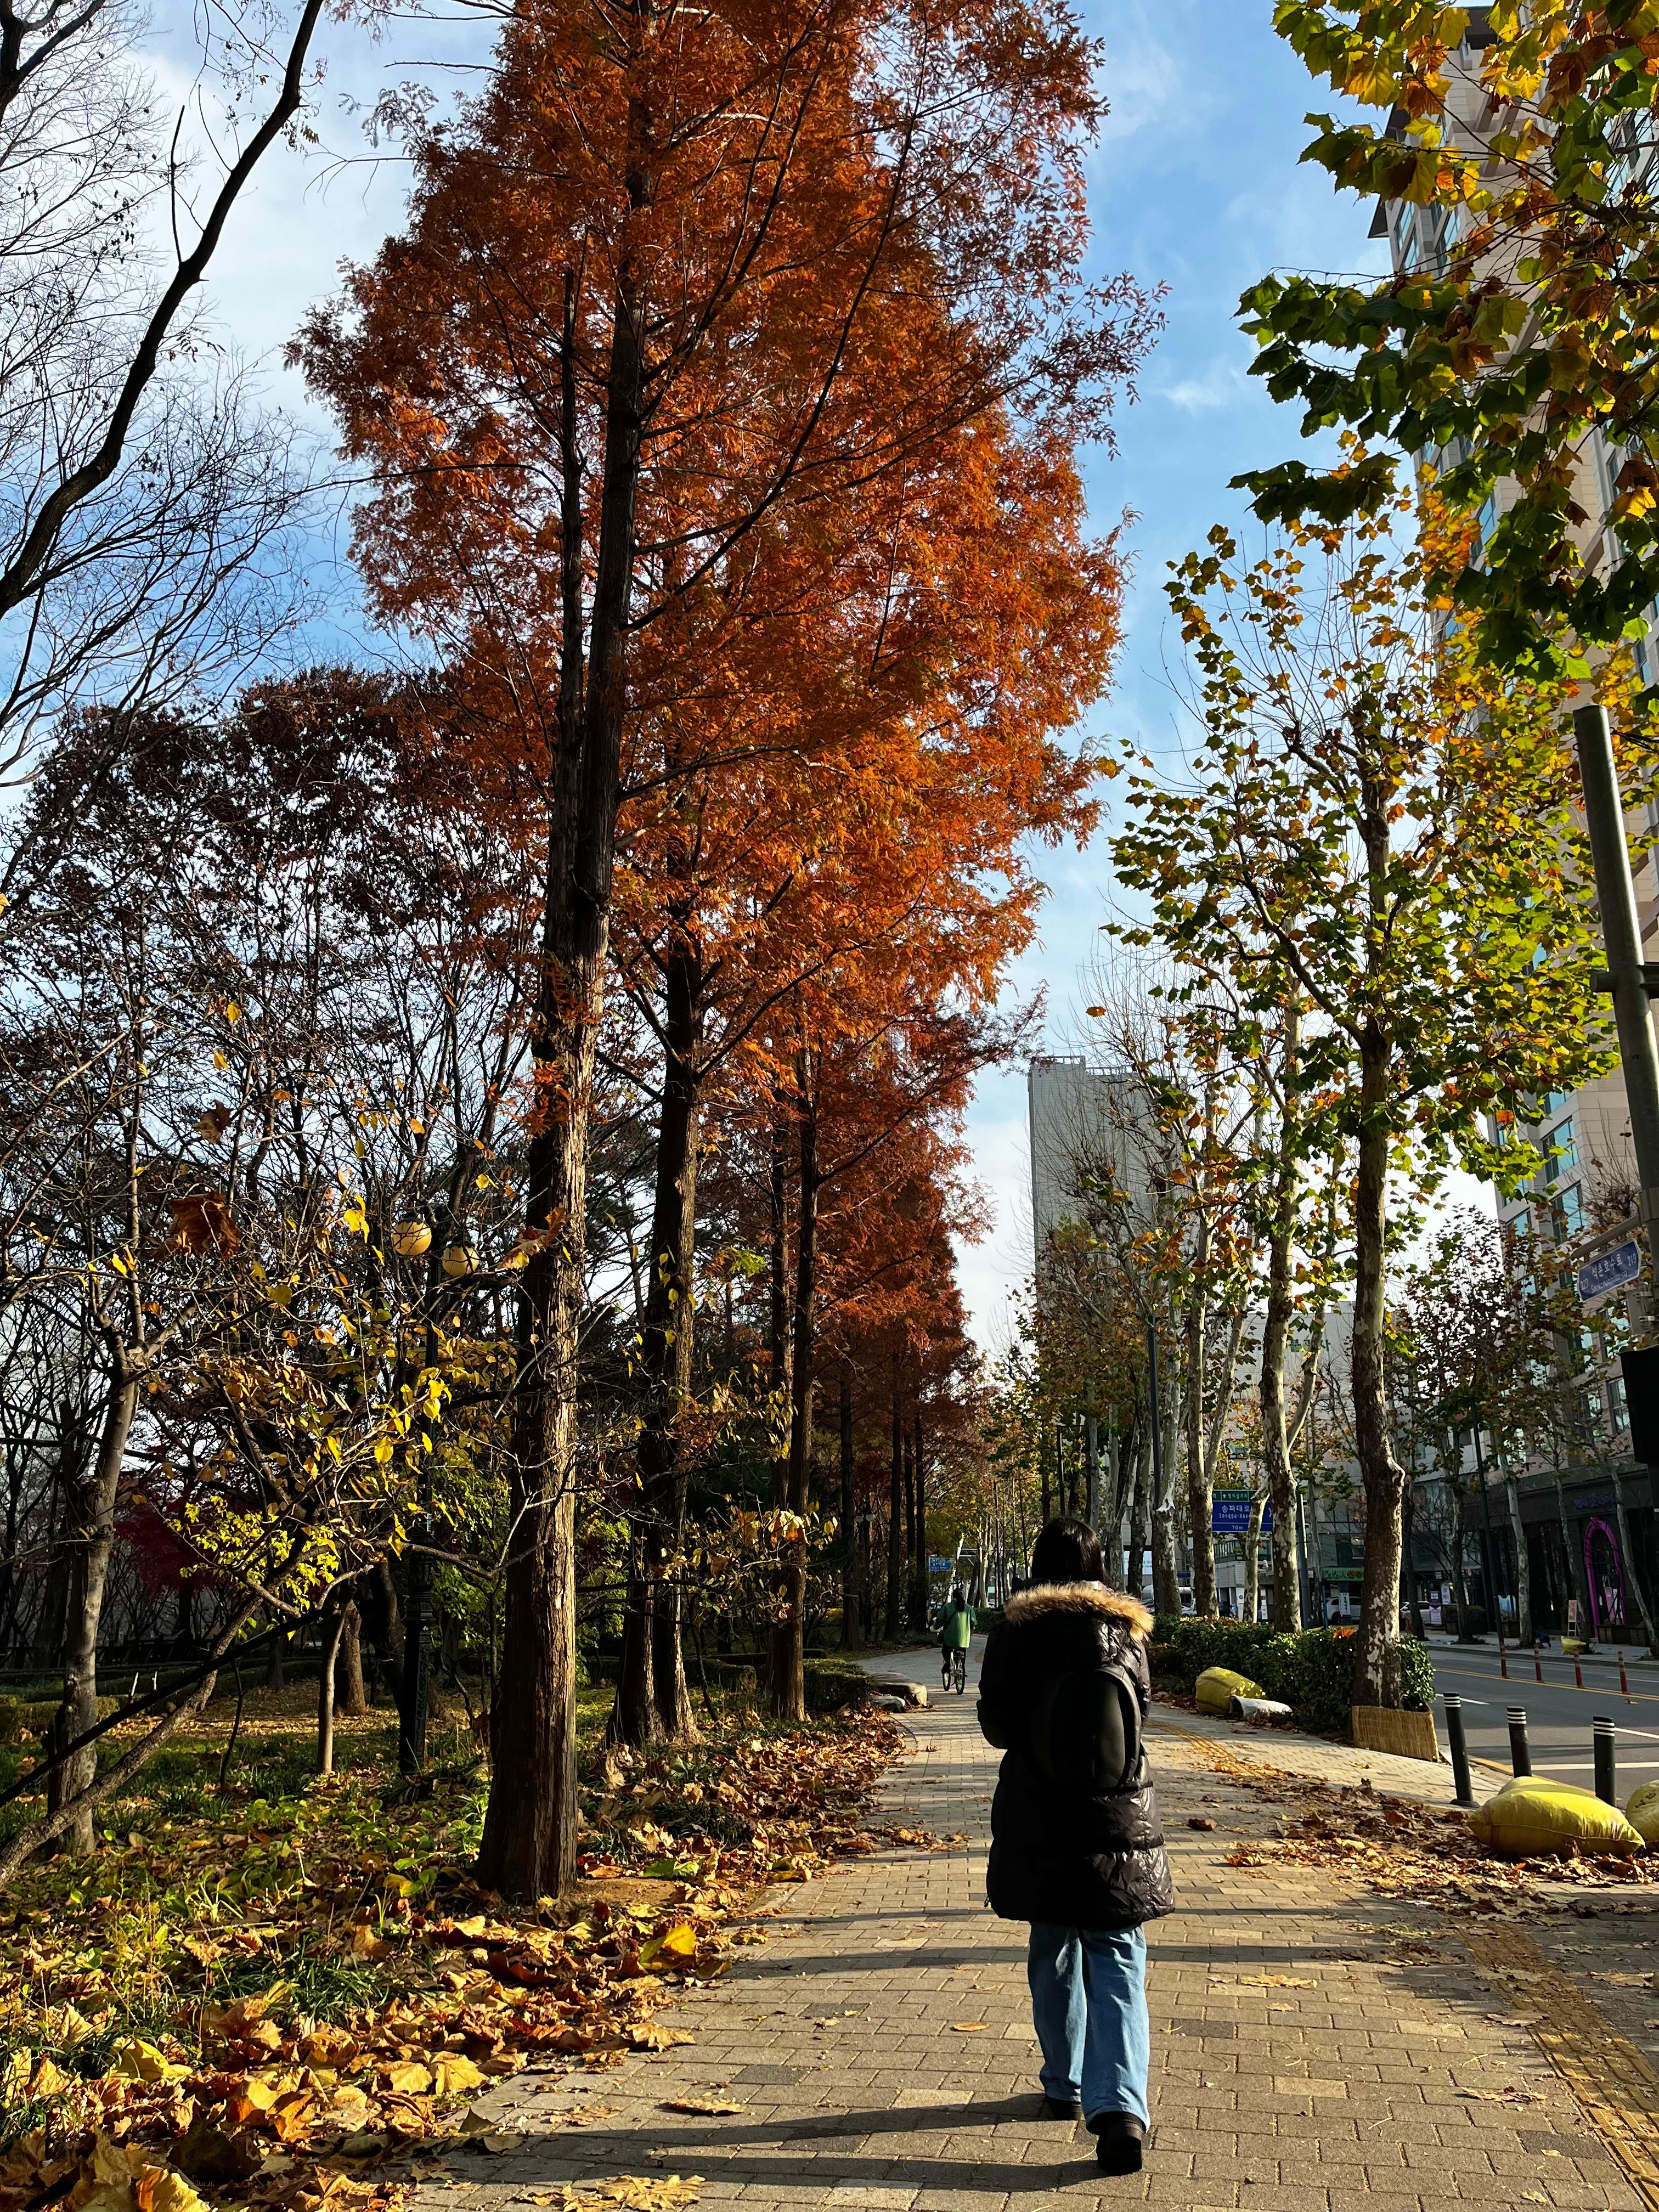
(1460, 1749)
(1503, 1657)
(1606, 1785)
(1537, 1662)
(1577, 1671)
(1520, 1752)
(1623, 1679)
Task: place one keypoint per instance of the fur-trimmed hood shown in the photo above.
(1078, 1597)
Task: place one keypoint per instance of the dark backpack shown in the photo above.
(1084, 1734)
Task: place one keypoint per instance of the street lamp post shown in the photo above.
(1629, 979)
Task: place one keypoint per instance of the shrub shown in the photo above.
(1311, 1671)
(834, 1683)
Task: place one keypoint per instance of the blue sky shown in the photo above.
(1195, 184)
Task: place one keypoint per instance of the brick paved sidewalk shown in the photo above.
(1315, 2050)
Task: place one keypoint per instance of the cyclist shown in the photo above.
(956, 1631)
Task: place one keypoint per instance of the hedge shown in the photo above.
(832, 1682)
(21, 1719)
(1311, 1672)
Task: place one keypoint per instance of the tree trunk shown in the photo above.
(788, 1670)
(351, 1700)
(88, 1579)
(69, 1480)
(1166, 1572)
(1275, 1343)
(333, 1630)
(1252, 1561)
(849, 1561)
(1135, 1579)
(896, 1551)
(528, 1849)
(1523, 1624)
(1091, 1465)
(1414, 1602)
(1376, 1647)
(919, 1583)
(1460, 1572)
(1198, 1485)
(652, 1702)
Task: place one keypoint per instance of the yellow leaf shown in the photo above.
(233, 1012)
(969, 2026)
(409, 2078)
(453, 2074)
(136, 2060)
(161, 2189)
(681, 1940)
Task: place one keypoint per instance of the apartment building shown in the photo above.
(1584, 1511)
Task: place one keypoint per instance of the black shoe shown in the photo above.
(1119, 2140)
(1059, 2108)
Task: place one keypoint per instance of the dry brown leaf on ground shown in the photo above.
(711, 2105)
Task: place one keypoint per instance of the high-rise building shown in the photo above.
(1083, 1122)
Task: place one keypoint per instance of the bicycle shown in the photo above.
(956, 1670)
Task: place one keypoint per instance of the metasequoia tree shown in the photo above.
(676, 277)
(1375, 820)
(842, 798)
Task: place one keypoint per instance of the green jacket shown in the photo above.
(956, 1628)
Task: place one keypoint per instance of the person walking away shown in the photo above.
(956, 1633)
(1077, 1848)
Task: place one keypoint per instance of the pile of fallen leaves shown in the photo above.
(1399, 1848)
(271, 2000)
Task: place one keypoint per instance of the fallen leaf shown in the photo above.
(454, 2074)
(159, 2190)
(969, 2026)
(715, 2105)
(409, 2077)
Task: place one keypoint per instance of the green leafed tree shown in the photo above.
(1522, 345)
(1375, 820)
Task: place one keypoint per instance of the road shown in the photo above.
(1558, 1714)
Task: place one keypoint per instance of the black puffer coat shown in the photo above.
(1075, 1837)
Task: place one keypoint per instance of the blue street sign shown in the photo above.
(1608, 1271)
(1229, 1514)
(940, 1566)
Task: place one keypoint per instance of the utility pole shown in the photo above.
(1628, 977)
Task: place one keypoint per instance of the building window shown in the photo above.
(1618, 1415)
(1568, 1209)
(1562, 1146)
(1404, 237)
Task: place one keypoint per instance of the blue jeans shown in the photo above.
(1089, 2003)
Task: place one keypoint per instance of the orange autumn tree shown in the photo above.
(856, 800)
(890, 1313)
(678, 277)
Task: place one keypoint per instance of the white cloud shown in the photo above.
(1222, 384)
